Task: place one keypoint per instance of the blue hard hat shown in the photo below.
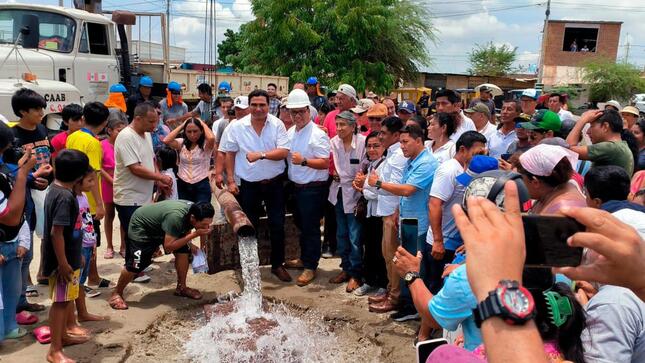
(174, 86)
(145, 81)
(312, 80)
(118, 88)
(224, 85)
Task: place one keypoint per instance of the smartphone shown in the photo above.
(505, 157)
(546, 241)
(426, 347)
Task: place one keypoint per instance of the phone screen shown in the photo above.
(546, 241)
(505, 157)
(426, 347)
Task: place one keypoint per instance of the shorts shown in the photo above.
(64, 291)
(138, 255)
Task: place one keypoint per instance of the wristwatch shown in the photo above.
(263, 156)
(378, 184)
(510, 301)
(410, 277)
(303, 162)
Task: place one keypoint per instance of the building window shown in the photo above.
(580, 39)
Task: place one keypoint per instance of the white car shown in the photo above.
(638, 100)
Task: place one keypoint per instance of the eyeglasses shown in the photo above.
(298, 112)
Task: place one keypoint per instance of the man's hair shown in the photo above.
(70, 165)
(258, 93)
(201, 210)
(6, 136)
(607, 182)
(392, 124)
(413, 130)
(469, 138)
(453, 96)
(72, 112)
(560, 97)
(95, 113)
(144, 108)
(448, 120)
(205, 88)
(25, 99)
(517, 104)
(272, 84)
(613, 118)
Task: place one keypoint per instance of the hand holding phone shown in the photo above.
(425, 348)
(546, 241)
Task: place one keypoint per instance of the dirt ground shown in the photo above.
(157, 323)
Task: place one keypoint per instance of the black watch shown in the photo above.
(378, 184)
(410, 277)
(510, 301)
(304, 162)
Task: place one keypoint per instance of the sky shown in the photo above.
(459, 25)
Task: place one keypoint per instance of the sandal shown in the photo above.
(104, 283)
(31, 291)
(16, 333)
(117, 303)
(31, 307)
(188, 292)
(43, 334)
(90, 292)
(26, 318)
(122, 253)
(109, 254)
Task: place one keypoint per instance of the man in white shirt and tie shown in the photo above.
(255, 148)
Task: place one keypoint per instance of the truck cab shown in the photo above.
(75, 47)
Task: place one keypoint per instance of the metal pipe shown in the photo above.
(234, 215)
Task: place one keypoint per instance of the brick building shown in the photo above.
(568, 44)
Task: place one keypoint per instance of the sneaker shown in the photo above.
(142, 278)
(90, 292)
(405, 314)
(148, 269)
(327, 253)
(364, 290)
(380, 291)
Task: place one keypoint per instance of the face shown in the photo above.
(204, 96)
(630, 119)
(521, 133)
(533, 186)
(374, 148)
(203, 224)
(409, 145)
(554, 104)
(478, 118)
(387, 138)
(528, 105)
(271, 91)
(150, 121)
(404, 115)
(596, 132)
(478, 148)
(193, 133)
(375, 122)
(435, 130)
(343, 128)
(535, 136)
(300, 116)
(74, 125)
(344, 101)
(175, 96)
(33, 116)
(508, 112)
(145, 91)
(638, 134)
(239, 112)
(485, 96)
(115, 131)
(444, 105)
(391, 109)
(285, 117)
(225, 107)
(88, 182)
(259, 107)
(310, 89)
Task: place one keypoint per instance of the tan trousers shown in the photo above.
(389, 245)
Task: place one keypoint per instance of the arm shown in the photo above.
(209, 142)
(96, 194)
(436, 215)
(576, 133)
(172, 243)
(105, 175)
(583, 151)
(58, 242)
(403, 190)
(318, 163)
(140, 171)
(275, 155)
(12, 214)
(230, 172)
(171, 139)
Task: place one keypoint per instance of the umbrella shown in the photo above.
(496, 91)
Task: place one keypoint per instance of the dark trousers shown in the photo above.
(197, 192)
(309, 209)
(374, 271)
(252, 194)
(433, 280)
(125, 213)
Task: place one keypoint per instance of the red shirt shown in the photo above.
(58, 142)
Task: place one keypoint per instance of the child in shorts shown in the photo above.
(167, 162)
(61, 248)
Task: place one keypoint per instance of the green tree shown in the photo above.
(491, 60)
(368, 44)
(610, 80)
(228, 50)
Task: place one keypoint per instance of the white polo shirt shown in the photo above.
(499, 143)
(241, 139)
(488, 131)
(466, 125)
(312, 143)
(446, 152)
(391, 171)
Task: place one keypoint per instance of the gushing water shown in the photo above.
(250, 262)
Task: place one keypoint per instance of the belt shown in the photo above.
(311, 184)
(266, 181)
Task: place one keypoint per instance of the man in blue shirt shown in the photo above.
(414, 190)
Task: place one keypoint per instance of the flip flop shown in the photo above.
(31, 307)
(104, 283)
(109, 254)
(31, 291)
(117, 303)
(16, 333)
(189, 293)
(90, 292)
(25, 318)
(43, 334)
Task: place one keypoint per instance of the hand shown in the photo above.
(358, 187)
(405, 262)
(460, 249)
(164, 181)
(359, 179)
(590, 116)
(21, 252)
(619, 251)
(371, 181)
(492, 236)
(438, 250)
(219, 180)
(586, 288)
(2, 259)
(448, 269)
(505, 165)
(193, 248)
(100, 212)
(296, 158)
(28, 160)
(253, 156)
(65, 271)
(202, 232)
(40, 183)
(43, 170)
(232, 188)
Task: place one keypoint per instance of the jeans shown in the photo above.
(374, 271)
(348, 237)
(197, 192)
(252, 194)
(10, 283)
(309, 210)
(125, 214)
(24, 270)
(85, 270)
(412, 242)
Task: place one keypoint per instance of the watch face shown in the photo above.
(517, 301)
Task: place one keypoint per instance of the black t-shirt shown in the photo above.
(61, 209)
(38, 141)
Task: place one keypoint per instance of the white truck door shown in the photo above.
(95, 65)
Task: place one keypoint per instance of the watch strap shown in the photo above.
(489, 307)
(378, 184)
(414, 275)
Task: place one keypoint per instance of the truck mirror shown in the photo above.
(30, 31)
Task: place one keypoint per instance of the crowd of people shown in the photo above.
(388, 182)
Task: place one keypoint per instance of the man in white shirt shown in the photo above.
(255, 148)
(555, 103)
(480, 114)
(308, 170)
(504, 136)
(449, 101)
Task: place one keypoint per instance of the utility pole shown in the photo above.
(544, 41)
(627, 51)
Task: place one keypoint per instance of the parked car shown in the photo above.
(638, 100)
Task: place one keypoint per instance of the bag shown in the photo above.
(8, 233)
(360, 210)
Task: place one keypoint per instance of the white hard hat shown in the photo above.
(298, 99)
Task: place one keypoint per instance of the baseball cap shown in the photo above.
(478, 164)
(543, 120)
(480, 108)
(145, 81)
(371, 94)
(347, 90)
(174, 87)
(631, 110)
(614, 103)
(363, 105)
(407, 106)
(530, 93)
(117, 88)
(348, 116)
(522, 118)
(378, 110)
(312, 80)
(241, 102)
(484, 89)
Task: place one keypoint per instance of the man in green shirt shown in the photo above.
(168, 223)
(607, 146)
